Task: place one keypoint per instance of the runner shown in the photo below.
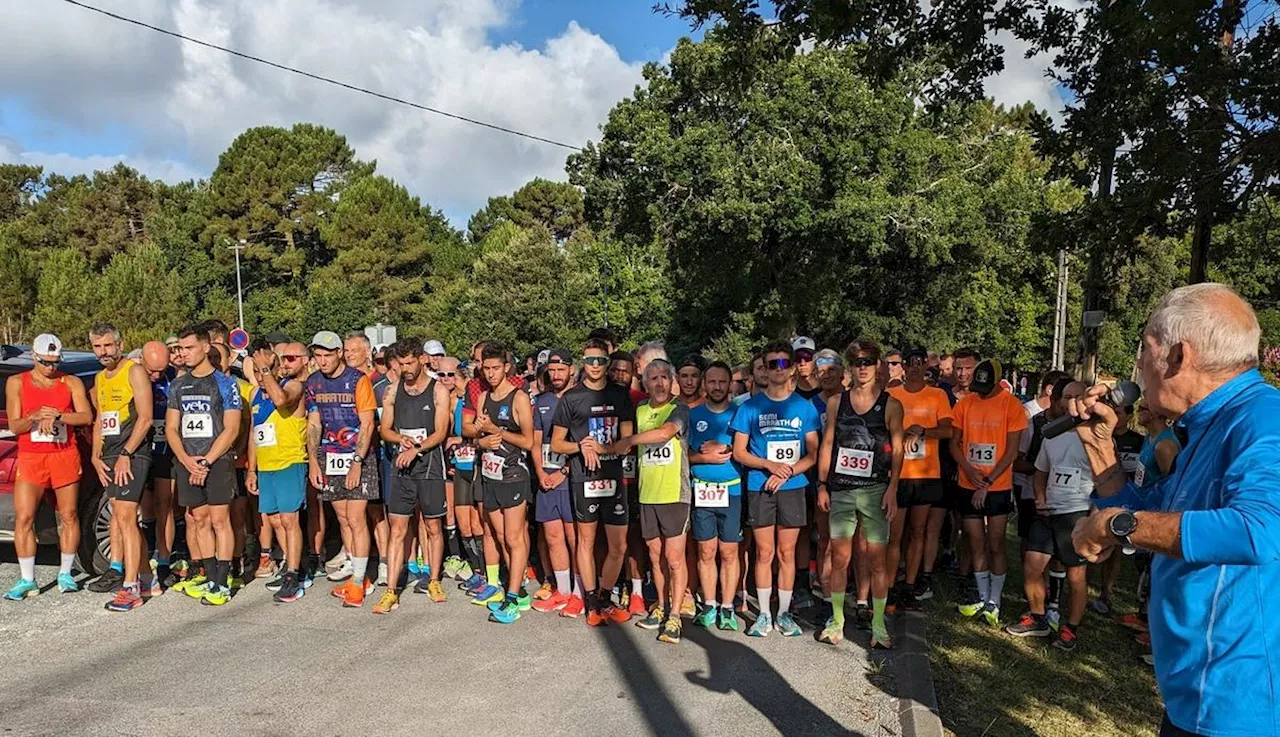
(589, 419)
(717, 498)
(894, 372)
(296, 362)
(858, 478)
(927, 419)
(454, 566)
(277, 455)
(158, 527)
(41, 405)
(462, 454)
(415, 417)
(201, 425)
(488, 586)
(689, 378)
(554, 509)
(986, 432)
(434, 352)
(830, 368)
(357, 351)
(806, 378)
(503, 425)
(121, 456)
(340, 410)
(776, 438)
(1129, 453)
(963, 363)
(622, 372)
(741, 383)
(222, 358)
(1063, 484)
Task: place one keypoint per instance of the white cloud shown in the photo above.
(187, 102)
(70, 164)
(1023, 79)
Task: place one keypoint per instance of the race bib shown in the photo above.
(199, 425)
(1064, 480)
(1130, 462)
(628, 466)
(915, 449)
(59, 434)
(464, 454)
(982, 454)
(110, 423)
(599, 489)
(659, 455)
(415, 434)
(491, 465)
(551, 461)
(1140, 474)
(157, 436)
(783, 451)
(707, 494)
(264, 435)
(337, 464)
(854, 462)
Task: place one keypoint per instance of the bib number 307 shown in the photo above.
(710, 495)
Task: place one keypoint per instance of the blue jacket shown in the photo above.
(1215, 641)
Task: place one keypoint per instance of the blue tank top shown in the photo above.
(1150, 473)
(464, 455)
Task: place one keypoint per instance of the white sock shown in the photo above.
(637, 587)
(711, 603)
(357, 568)
(997, 587)
(67, 560)
(577, 585)
(27, 566)
(765, 597)
(562, 582)
(784, 602)
(984, 584)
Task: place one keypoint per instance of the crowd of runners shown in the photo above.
(595, 483)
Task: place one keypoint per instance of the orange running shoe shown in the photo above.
(596, 618)
(553, 603)
(354, 595)
(340, 590)
(1142, 638)
(544, 592)
(1133, 622)
(614, 614)
(574, 608)
(636, 608)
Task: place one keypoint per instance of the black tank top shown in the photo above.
(862, 454)
(507, 463)
(415, 416)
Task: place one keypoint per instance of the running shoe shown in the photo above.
(336, 561)
(1053, 617)
(1067, 638)
(107, 582)
(1149, 659)
(182, 583)
(199, 587)
(1029, 625)
(275, 583)
(544, 591)
(412, 567)
(474, 584)
(554, 603)
(464, 572)
(488, 594)
(1099, 606)
(635, 605)
(422, 585)
(653, 620)
(452, 565)
(67, 583)
(862, 616)
(881, 641)
(23, 589)
(788, 626)
(706, 618)
(215, 595)
(761, 627)
(235, 582)
(924, 587)
(991, 613)
(688, 608)
(670, 632)
(341, 573)
(151, 589)
(266, 567)
(971, 608)
(507, 613)
(574, 608)
(530, 575)
(833, 633)
(340, 590)
(803, 599)
(613, 613)
(726, 620)
(436, 592)
(382, 575)
(595, 618)
(524, 601)
(1133, 622)
(126, 599)
(290, 589)
(388, 603)
(1142, 638)
(355, 593)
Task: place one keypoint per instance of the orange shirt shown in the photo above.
(985, 425)
(926, 408)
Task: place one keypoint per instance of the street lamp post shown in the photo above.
(239, 293)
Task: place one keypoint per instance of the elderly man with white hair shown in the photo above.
(1213, 523)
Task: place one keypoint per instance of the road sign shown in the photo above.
(380, 335)
(239, 339)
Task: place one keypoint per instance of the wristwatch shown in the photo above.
(203, 463)
(357, 459)
(1121, 526)
(127, 453)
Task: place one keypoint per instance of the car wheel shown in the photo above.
(95, 534)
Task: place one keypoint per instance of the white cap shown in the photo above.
(803, 343)
(433, 348)
(47, 344)
(543, 356)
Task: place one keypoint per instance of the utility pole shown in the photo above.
(237, 248)
(1060, 314)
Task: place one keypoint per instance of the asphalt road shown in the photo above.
(254, 667)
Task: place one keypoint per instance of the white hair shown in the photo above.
(653, 349)
(1195, 314)
(661, 364)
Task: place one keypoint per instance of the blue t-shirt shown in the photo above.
(776, 431)
(544, 408)
(706, 426)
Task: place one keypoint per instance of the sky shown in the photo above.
(80, 91)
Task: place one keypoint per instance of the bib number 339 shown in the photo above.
(854, 462)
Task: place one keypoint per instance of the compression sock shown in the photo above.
(997, 587)
(149, 535)
(493, 573)
(1056, 581)
(562, 582)
(837, 608)
(784, 602)
(221, 569)
(66, 562)
(983, 579)
(453, 542)
(877, 616)
(358, 567)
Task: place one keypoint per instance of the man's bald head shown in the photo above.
(155, 356)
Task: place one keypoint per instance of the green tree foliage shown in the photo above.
(554, 205)
(19, 184)
(64, 306)
(141, 295)
(17, 289)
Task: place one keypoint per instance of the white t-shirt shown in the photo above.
(1022, 480)
(1070, 475)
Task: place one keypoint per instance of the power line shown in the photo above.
(250, 57)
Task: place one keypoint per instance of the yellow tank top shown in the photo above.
(279, 442)
(116, 412)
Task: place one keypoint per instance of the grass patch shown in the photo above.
(989, 683)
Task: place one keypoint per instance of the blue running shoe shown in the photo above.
(67, 583)
(413, 568)
(473, 584)
(787, 625)
(506, 613)
(489, 593)
(24, 588)
(761, 627)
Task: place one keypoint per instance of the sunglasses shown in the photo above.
(778, 364)
(446, 374)
(45, 362)
(595, 360)
(864, 362)
(894, 363)
(804, 356)
(290, 359)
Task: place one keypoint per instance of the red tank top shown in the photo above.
(32, 397)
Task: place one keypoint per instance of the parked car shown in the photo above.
(95, 512)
